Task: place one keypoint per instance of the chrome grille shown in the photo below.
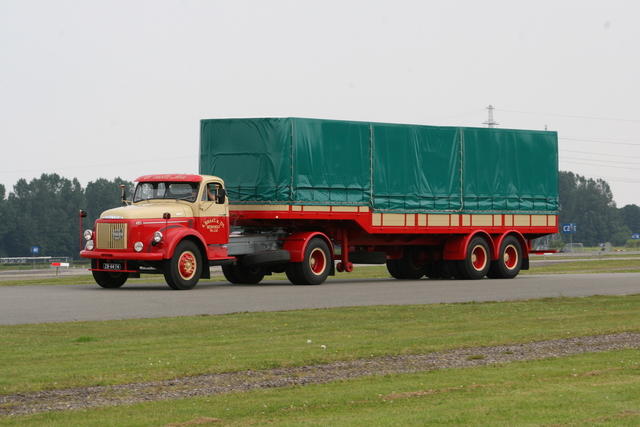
(111, 235)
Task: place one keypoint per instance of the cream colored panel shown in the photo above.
(551, 220)
(482, 220)
(522, 220)
(393, 220)
(508, 220)
(259, 207)
(438, 220)
(345, 209)
(376, 220)
(497, 220)
(317, 208)
(296, 208)
(466, 220)
(410, 220)
(539, 220)
(422, 220)
(364, 208)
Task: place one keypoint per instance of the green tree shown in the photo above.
(4, 220)
(44, 213)
(103, 194)
(588, 203)
(630, 215)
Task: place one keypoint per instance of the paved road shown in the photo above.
(39, 304)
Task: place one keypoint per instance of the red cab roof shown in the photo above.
(170, 177)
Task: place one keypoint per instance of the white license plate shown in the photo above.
(111, 266)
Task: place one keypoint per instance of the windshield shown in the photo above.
(166, 190)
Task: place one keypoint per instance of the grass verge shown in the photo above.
(592, 389)
(78, 354)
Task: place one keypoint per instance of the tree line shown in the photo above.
(46, 213)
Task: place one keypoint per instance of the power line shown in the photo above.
(600, 141)
(574, 117)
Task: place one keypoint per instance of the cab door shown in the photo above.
(212, 218)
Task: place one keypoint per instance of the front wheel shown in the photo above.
(315, 267)
(183, 270)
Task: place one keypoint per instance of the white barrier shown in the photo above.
(57, 265)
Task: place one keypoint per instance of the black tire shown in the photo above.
(230, 274)
(265, 258)
(183, 270)
(394, 270)
(434, 270)
(248, 275)
(477, 261)
(509, 261)
(411, 268)
(315, 267)
(108, 279)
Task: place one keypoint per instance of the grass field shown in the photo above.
(590, 389)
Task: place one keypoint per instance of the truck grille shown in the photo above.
(111, 236)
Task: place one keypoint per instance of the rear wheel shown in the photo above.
(509, 261)
(315, 267)
(477, 260)
(182, 271)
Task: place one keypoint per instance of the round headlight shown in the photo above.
(88, 234)
(157, 237)
(138, 246)
(89, 245)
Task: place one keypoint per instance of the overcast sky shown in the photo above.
(101, 89)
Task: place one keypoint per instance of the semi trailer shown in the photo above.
(312, 197)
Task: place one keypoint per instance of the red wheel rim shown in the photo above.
(187, 265)
(317, 261)
(479, 257)
(510, 257)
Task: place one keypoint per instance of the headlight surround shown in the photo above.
(88, 234)
(89, 245)
(157, 237)
(138, 246)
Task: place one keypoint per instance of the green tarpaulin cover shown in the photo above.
(388, 167)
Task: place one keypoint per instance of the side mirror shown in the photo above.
(222, 196)
(123, 195)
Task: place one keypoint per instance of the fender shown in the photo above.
(524, 246)
(297, 243)
(175, 236)
(455, 247)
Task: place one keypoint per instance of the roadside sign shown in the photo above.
(635, 236)
(569, 228)
(35, 249)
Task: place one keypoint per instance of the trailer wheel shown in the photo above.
(182, 271)
(509, 261)
(315, 267)
(410, 265)
(394, 270)
(477, 261)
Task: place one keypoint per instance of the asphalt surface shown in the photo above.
(40, 304)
